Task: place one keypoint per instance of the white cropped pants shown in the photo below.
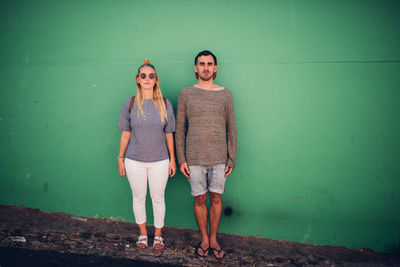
(156, 173)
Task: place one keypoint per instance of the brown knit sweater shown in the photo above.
(205, 127)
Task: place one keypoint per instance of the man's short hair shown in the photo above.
(205, 53)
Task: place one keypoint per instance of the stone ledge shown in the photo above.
(26, 228)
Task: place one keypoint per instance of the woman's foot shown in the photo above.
(158, 243)
(142, 242)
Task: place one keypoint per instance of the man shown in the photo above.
(206, 146)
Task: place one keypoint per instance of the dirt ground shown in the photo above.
(29, 237)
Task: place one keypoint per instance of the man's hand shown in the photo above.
(121, 167)
(228, 171)
(185, 170)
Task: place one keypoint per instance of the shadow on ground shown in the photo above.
(29, 237)
(19, 257)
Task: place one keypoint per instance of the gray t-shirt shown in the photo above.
(147, 142)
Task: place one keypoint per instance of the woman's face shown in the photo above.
(147, 78)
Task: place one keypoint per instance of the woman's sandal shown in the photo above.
(204, 250)
(158, 240)
(218, 251)
(142, 239)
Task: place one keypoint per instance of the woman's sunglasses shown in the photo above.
(151, 76)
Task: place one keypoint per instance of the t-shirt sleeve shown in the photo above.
(124, 121)
(170, 125)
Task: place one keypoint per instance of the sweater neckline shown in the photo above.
(212, 90)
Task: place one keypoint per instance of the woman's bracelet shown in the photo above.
(120, 157)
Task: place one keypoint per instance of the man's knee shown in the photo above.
(200, 200)
(215, 198)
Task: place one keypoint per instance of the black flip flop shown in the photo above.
(204, 250)
(218, 251)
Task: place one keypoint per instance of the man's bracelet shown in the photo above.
(119, 157)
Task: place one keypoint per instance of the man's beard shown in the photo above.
(205, 78)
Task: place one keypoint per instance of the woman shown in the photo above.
(147, 122)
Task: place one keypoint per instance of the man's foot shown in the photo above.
(142, 242)
(202, 249)
(216, 249)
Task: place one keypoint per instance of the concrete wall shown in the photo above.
(316, 86)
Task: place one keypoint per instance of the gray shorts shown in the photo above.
(207, 178)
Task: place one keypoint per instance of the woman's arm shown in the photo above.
(169, 137)
(125, 136)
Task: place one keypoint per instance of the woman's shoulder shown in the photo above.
(168, 102)
(127, 102)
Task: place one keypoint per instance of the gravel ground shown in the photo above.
(29, 237)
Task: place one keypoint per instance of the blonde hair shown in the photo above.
(157, 95)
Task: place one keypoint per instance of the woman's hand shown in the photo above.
(169, 138)
(172, 168)
(121, 167)
(125, 136)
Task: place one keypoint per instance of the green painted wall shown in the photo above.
(317, 97)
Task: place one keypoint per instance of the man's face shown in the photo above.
(205, 67)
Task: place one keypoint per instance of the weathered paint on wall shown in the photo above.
(316, 90)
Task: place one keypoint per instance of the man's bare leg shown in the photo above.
(200, 211)
(215, 217)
